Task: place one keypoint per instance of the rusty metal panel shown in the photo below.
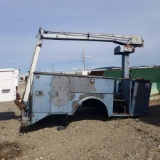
(91, 85)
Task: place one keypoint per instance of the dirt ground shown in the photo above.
(89, 136)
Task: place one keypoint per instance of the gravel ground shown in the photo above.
(88, 137)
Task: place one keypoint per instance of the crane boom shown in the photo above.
(130, 41)
(135, 41)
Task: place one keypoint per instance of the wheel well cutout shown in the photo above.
(92, 109)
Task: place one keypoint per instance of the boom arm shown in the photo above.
(130, 41)
(135, 41)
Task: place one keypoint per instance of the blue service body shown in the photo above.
(53, 93)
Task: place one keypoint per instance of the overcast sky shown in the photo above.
(20, 21)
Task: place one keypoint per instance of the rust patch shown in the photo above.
(79, 84)
(74, 105)
(85, 95)
(39, 93)
(72, 95)
(92, 81)
(101, 96)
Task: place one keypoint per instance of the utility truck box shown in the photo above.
(8, 84)
(54, 93)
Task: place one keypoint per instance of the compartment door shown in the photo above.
(41, 93)
(140, 98)
(60, 94)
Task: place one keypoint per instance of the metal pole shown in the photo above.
(125, 65)
(83, 60)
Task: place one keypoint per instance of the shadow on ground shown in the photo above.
(85, 113)
(154, 116)
(91, 114)
(7, 115)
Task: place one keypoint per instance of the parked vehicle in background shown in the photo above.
(8, 84)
